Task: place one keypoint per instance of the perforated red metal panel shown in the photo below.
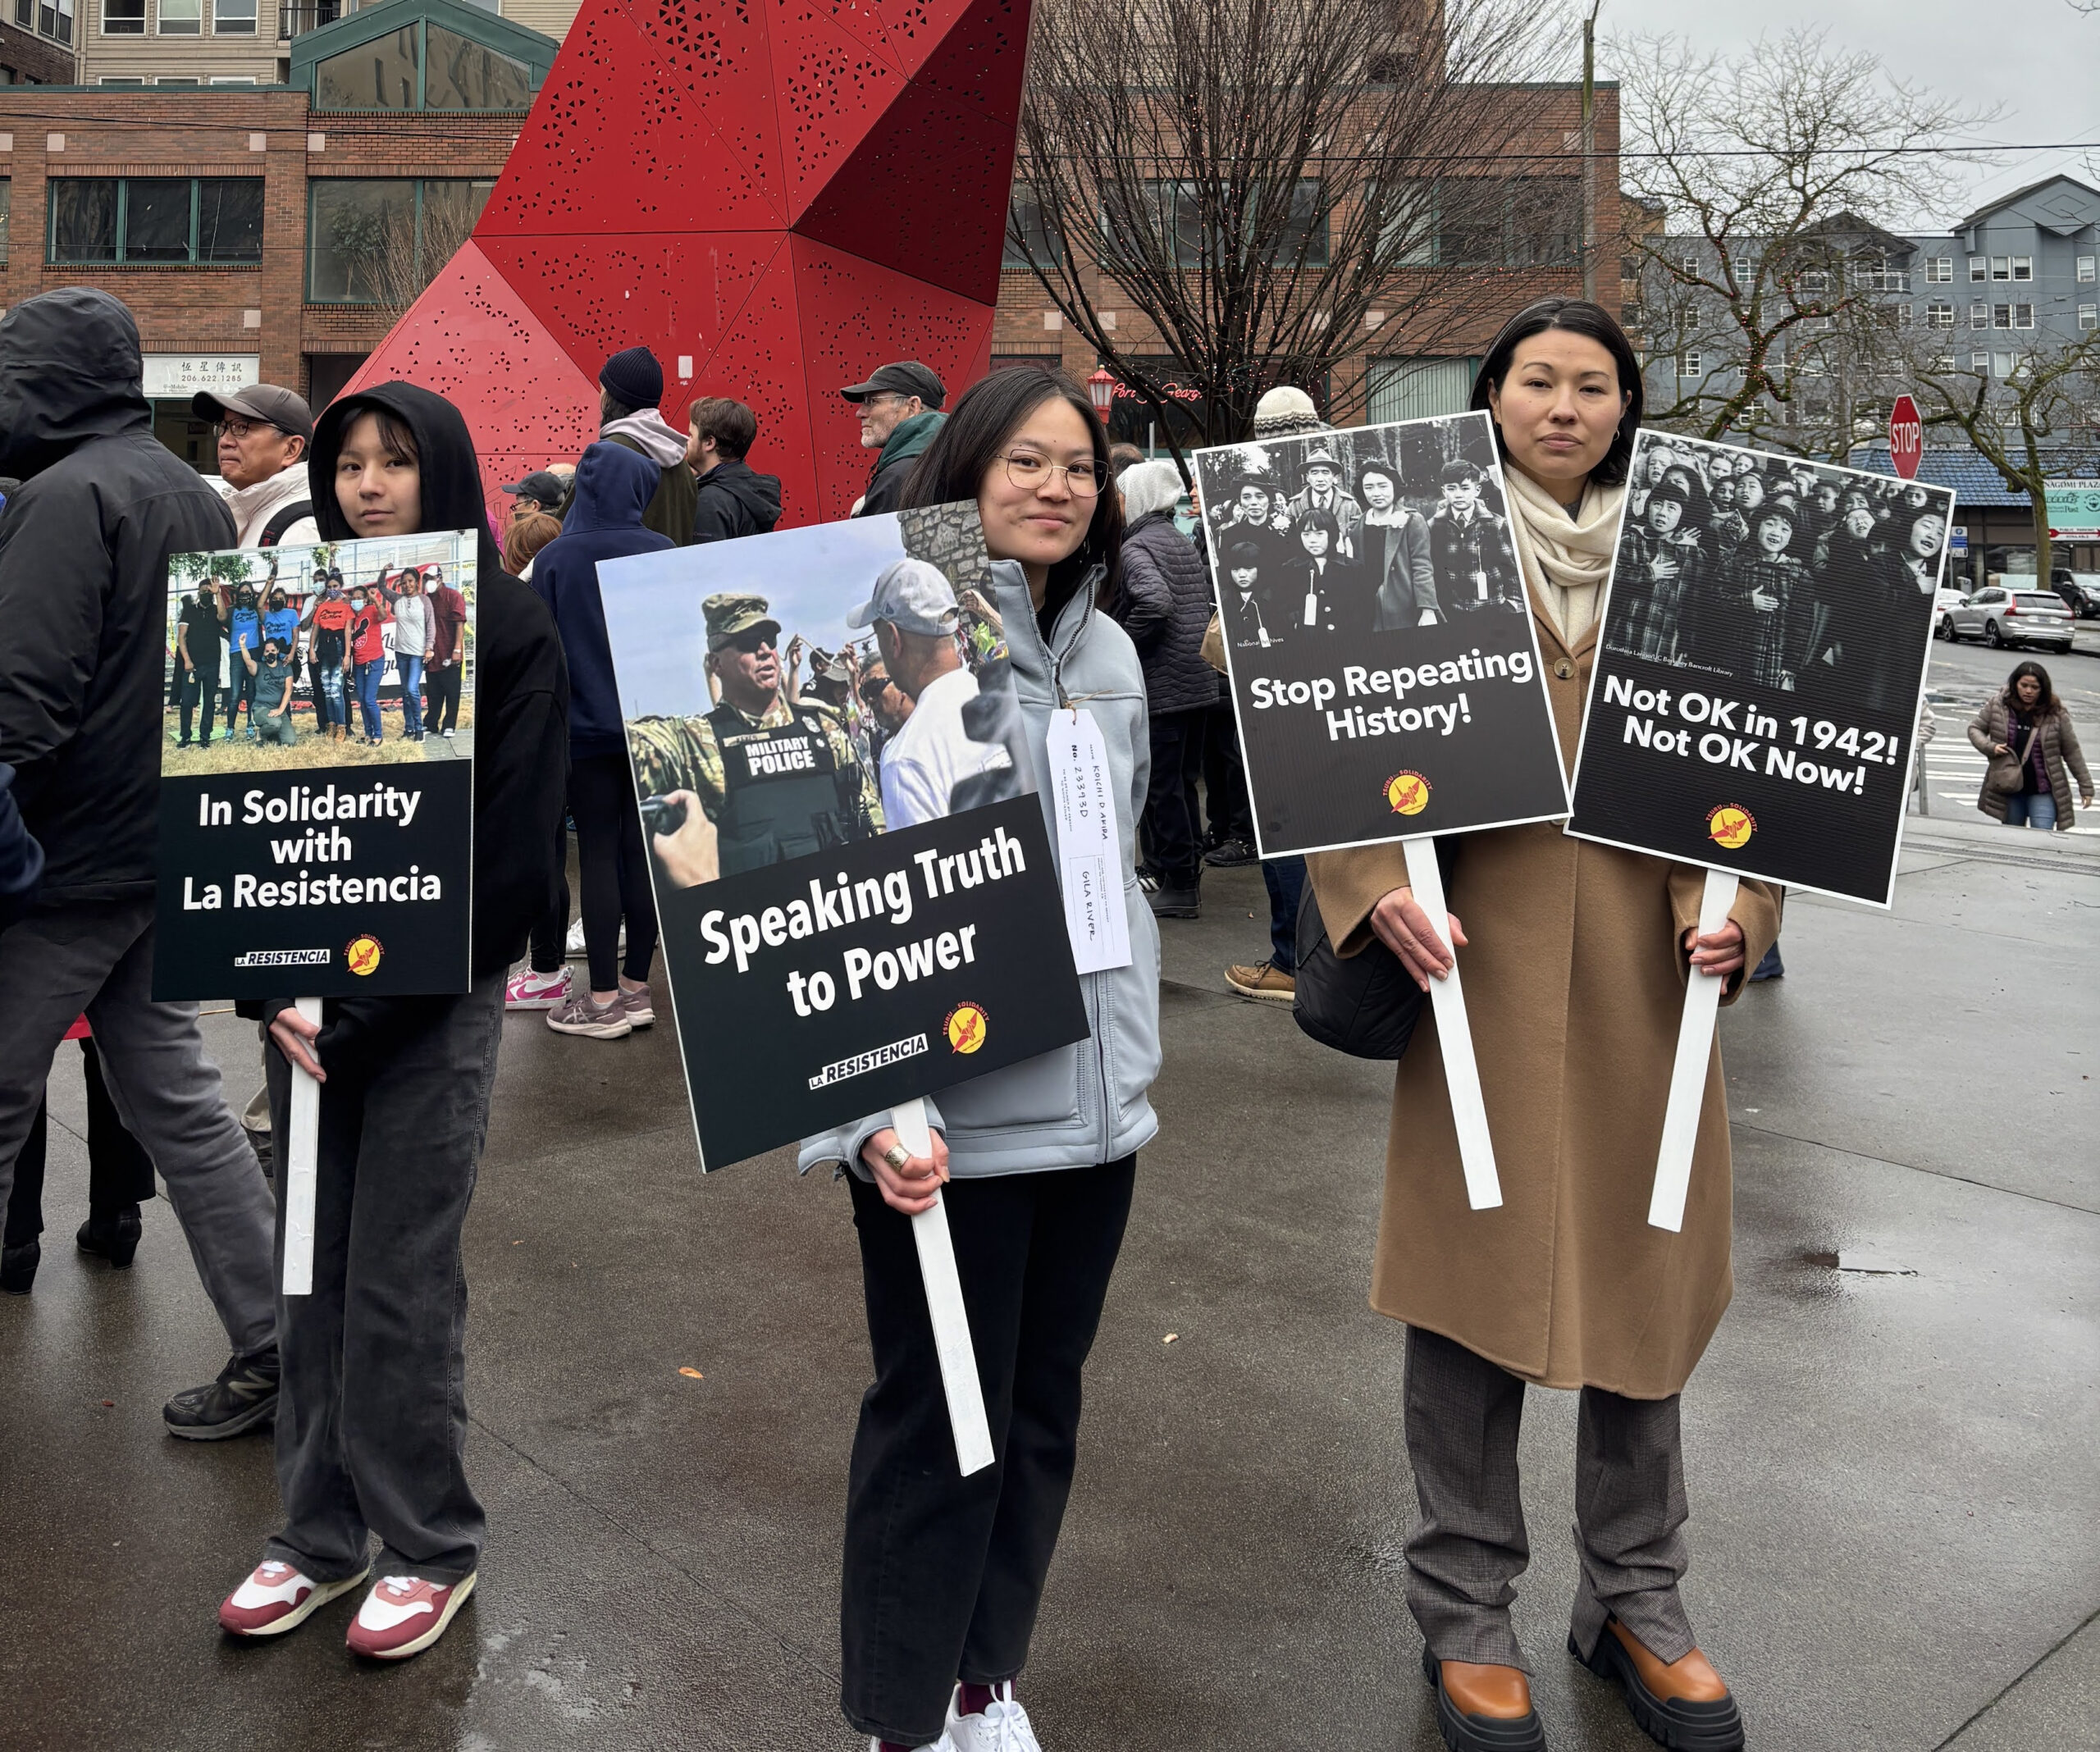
(776, 196)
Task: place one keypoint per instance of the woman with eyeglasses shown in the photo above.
(1035, 1163)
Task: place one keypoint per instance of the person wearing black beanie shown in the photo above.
(372, 1419)
(630, 390)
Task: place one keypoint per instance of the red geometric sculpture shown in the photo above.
(775, 195)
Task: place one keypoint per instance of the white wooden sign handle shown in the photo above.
(929, 1228)
(1695, 1040)
(299, 1167)
(1455, 1034)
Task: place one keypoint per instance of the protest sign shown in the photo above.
(1383, 662)
(1753, 703)
(1762, 653)
(852, 866)
(315, 840)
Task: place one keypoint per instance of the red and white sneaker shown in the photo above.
(528, 990)
(403, 1615)
(277, 1598)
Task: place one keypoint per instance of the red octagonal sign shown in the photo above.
(1906, 438)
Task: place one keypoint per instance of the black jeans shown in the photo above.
(442, 689)
(1225, 802)
(1170, 817)
(119, 1171)
(372, 1414)
(550, 940)
(943, 1574)
(614, 868)
(190, 691)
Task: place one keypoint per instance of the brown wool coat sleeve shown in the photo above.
(1574, 982)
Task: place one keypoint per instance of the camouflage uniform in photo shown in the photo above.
(781, 785)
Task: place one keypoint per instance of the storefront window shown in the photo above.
(375, 242)
(156, 219)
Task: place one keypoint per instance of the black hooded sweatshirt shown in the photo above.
(521, 685)
(83, 550)
(735, 500)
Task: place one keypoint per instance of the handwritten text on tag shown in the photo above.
(1089, 846)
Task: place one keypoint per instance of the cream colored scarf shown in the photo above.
(1566, 560)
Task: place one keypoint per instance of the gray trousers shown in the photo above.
(97, 957)
(372, 1407)
(1465, 1552)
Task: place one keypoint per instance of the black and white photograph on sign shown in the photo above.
(850, 863)
(1764, 638)
(1379, 644)
(317, 769)
(348, 653)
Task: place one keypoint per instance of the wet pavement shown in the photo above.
(1891, 1459)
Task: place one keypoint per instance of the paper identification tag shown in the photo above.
(1089, 846)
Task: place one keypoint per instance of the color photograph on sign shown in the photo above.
(851, 862)
(317, 770)
(1379, 641)
(1754, 697)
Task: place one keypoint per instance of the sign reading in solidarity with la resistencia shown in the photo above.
(851, 863)
(1382, 658)
(317, 770)
(1762, 654)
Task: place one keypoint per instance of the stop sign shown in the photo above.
(1906, 438)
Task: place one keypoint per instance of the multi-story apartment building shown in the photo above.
(2017, 280)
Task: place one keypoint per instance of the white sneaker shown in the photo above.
(576, 951)
(943, 1745)
(1002, 1727)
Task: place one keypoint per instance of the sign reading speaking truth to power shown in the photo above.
(1380, 643)
(1765, 635)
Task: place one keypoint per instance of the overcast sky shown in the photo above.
(2037, 57)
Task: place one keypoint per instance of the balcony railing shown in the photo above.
(295, 17)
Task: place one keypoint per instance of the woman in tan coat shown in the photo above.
(1577, 956)
(2031, 788)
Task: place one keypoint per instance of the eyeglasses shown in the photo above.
(1029, 472)
(240, 430)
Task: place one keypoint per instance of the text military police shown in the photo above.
(777, 780)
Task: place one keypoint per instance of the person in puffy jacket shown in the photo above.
(613, 487)
(83, 555)
(733, 499)
(1166, 604)
(1035, 1163)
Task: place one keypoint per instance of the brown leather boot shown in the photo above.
(1683, 1704)
(1483, 1708)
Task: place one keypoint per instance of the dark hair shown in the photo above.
(1385, 469)
(394, 431)
(1576, 317)
(1459, 469)
(2047, 705)
(733, 426)
(953, 467)
(1122, 456)
(611, 408)
(1241, 555)
(1320, 518)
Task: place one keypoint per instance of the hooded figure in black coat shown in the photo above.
(371, 1419)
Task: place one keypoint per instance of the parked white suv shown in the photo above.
(2000, 616)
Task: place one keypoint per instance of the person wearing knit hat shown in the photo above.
(1287, 411)
(630, 388)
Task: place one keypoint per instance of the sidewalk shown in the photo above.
(1889, 1445)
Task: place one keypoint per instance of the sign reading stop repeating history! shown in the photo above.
(315, 840)
(850, 859)
(1755, 701)
(1383, 662)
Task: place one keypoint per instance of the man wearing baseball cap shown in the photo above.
(630, 394)
(542, 490)
(900, 412)
(264, 432)
(761, 779)
(914, 612)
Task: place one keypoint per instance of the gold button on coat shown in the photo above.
(1563, 669)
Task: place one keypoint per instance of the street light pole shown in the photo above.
(1590, 154)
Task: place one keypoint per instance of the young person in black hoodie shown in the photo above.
(372, 1419)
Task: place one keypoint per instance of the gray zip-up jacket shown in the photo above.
(1090, 1103)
